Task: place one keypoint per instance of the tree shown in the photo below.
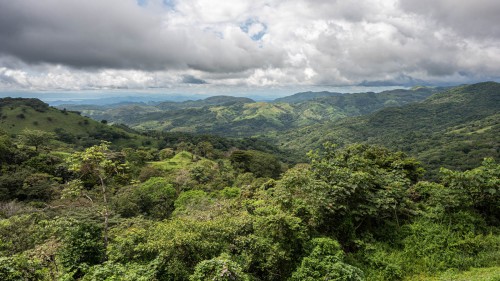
(156, 197)
(478, 188)
(20, 267)
(166, 153)
(273, 249)
(301, 193)
(204, 149)
(191, 201)
(259, 163)
(325, 262)
(6, 148)
(35, 138)
(37, 186)
(218, 269)
(82, 247)
(97, 169)
(351, 190)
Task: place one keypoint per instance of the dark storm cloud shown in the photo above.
(73, 33)
(115, 34)
(190, 79)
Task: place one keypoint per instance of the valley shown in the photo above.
(396, 185)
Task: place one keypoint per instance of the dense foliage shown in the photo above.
(455, 129)
(201, 207)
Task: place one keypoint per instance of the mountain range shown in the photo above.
(235, 116)
(453, 127)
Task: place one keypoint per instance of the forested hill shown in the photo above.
(210, 101)
(456, 128)
(305, 96)
(20, 114)
(393, 97)
(231, 116)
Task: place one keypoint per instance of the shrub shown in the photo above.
(325, 262)
(221, 268)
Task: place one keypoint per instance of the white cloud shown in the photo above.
(72, 44)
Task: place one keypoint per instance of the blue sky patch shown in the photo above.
(170, 4)
(245, 27)
(142, 3)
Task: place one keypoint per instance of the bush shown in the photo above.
(192, 200)
(117, 271)
(21, 268)
(432, 247)
(261, 164)
(148, 172)
(82, 247)
(325, 262)
(221, 268)
(156, 197)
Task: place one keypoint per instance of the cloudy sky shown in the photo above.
(219, 44)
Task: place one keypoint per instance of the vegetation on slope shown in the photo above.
(17, 115)
(358, 213)
(198, 207)
(454, 129)
(231, 116)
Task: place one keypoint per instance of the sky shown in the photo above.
(229, 46)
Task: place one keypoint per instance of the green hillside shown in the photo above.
(18, 114)
(232, 116)
(210, 101)
(122, 113)
(455, 129)
(181, 160)
(305, 96)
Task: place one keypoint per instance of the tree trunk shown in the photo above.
(105, 213)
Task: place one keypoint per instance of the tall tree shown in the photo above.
(97, 169)
(35, 138)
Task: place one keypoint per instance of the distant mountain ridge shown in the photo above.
(128, 98)
(456, 128)
(305, 96)
(236, 116)
(210, 101)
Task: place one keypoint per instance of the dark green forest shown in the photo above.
(398, 185)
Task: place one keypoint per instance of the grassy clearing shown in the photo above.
(16, 119)
(70, 127)
(181, 160)
(474, 274)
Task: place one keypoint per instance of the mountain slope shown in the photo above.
(232, 116)
(17, 114)
(454, 129)
(305, 96)
(210, 101)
